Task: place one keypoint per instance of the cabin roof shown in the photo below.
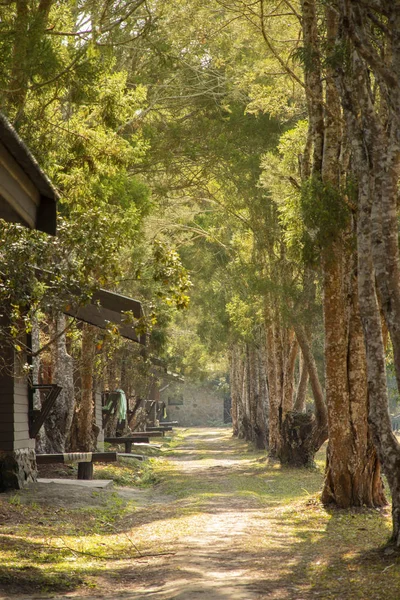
(15, 157)
(109, 307)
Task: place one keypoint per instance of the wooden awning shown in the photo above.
(26, 194)
(108, 308)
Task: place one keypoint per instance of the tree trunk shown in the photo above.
(58, 424)
(84, 434)
(257, 417)
(303, 434)
(261, 439)
(350, 467)
(353, 470)
(274, 399)
(297, 448)
(288, 386)
(246, 395)
(356, 99)
(338, 487)
(248, 390)
(40, 442)
(240, 374)
(234, 366)
(301, 393)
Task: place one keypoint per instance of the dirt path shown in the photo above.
(220, 541)
(210, 562)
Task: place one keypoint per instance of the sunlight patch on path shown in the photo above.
(210, 560)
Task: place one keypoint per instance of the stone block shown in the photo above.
(17, 468)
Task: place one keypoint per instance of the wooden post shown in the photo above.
(85, 470)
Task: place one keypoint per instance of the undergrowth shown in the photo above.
(128, 472)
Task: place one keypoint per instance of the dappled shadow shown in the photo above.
(31, 580)
(330, 562)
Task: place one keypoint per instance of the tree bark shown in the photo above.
(84, 435)
(354, 86)
(353, 470)
(233, 367)
(288, 386)
(274, 399)
(248, 390)
(301, 393)
(350, 467)
(258, 416)
(58, 424)
(263, 404)
(240, 376)
(303, 434)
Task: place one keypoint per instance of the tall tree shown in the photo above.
(367, 77)
(352, 476)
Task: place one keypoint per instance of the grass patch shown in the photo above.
(46, 551)
(128, 472)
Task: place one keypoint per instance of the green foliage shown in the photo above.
(244, 316)
(280, 176)
(307, 56)
(169, 271)
(326, 215)
(157, 123)
(337, 56)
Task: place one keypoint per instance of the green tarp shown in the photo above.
(122, 405)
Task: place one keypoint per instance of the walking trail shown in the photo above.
(220, 538)
(212, 559)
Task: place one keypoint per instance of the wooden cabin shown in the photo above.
(26, 197)
(108, 307)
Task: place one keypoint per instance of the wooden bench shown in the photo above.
(169, 423)
(128, 441)
(85, 460)
(160, 430)
(136, 434)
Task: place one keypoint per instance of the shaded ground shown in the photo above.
(223, 523)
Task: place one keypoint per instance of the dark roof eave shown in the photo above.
(109, 307)
(47, 210)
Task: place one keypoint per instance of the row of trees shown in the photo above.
(332, 192)
(304, 88)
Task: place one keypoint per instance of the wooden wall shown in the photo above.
(14, 404)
